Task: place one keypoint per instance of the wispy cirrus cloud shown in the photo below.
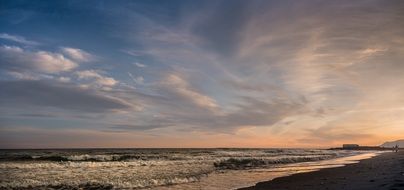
(96, 78)
(18, 39)
(179, 86)
(137, 64)
(138, 80)
(78, 54)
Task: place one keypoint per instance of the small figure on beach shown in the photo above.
(396, 148)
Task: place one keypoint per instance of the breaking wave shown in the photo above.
(245, 163)
(85, 157)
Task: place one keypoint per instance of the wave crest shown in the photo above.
(245, 163)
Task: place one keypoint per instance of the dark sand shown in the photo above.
(384, 172)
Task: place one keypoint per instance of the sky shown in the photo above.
(201, 73)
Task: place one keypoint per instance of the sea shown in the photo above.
(164, 169)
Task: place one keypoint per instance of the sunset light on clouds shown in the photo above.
(201, 73)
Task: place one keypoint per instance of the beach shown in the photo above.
(384, 172)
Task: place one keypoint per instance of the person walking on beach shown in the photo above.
(396, 148)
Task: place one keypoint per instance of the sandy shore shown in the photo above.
(384, 172)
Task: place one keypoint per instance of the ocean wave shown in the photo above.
(100, 181)
(77, 165)
(96, 158)
(245, 163)
(84, 157)
(115, 155)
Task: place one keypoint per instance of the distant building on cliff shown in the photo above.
(350, 146)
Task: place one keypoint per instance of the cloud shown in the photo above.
(18, 39)
(175, 102)
(23, 76)
(289, 52)
(57, 95)
(134, 53)
(179, 86)
(137, 80)
(97, 78)
(64, 79)
(139, 64)
(17, 59)
(250, 112)
(77, 54)
(128, 127)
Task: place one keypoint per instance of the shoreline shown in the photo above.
(385, 171)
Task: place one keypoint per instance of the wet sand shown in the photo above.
(383, 172)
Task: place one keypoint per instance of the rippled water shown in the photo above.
(160, 168)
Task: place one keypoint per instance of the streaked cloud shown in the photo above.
(96, 78)
(77, 54)
(64, 79)
(139, 65)
(179, 86)
(18, 39)
(138, 80)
